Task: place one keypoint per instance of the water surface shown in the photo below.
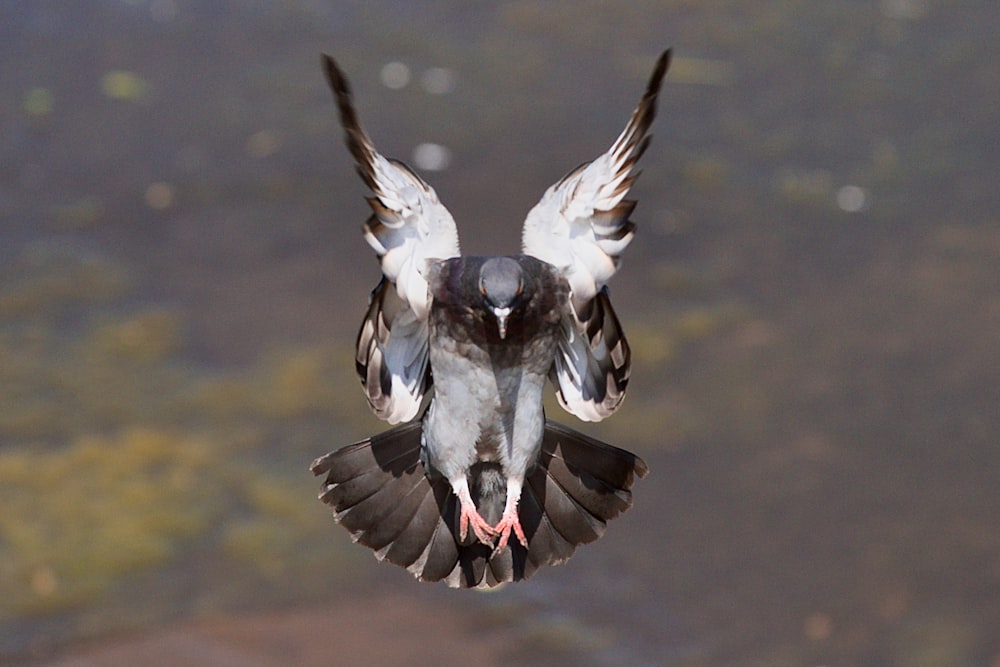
(813, 301)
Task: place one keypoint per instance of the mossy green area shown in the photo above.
(78, 516)
(118, 458)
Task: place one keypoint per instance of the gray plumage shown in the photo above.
(483, 489)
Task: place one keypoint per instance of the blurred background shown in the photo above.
(813, 300)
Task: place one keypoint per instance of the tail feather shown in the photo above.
(396, 450)
(381, 493)
(352, 491)
(570, 522)
(414, 548)
(597, 498)
(366, 517)
(391, 526)
(439, 558)
(366, 481)
(547, 544)
(608, 463)
(503, 566)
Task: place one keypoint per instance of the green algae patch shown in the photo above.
(146, 337)
(297, 382)
(274, 533)
(76, 518)
(121, 461)
(655, 342)
(38, 102)
(287, 384)
(49, 278)
(124, 85)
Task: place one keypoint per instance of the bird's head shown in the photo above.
(501, 283)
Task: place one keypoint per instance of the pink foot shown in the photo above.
(509, 522)
(470, 517)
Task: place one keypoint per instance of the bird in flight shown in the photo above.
(478, 488)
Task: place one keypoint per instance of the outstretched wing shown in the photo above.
(409, 228)
(581, 226)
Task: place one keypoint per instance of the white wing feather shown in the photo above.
(581, 226)
(409, 229)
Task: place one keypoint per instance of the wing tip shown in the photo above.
(659, 72)
(334, 75)
(357, 140)
(646, 111)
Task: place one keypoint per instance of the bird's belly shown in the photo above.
(483, 410)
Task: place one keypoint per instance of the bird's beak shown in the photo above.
(501, 314)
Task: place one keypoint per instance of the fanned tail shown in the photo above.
(380, 492)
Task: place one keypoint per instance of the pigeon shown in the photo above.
(475, 486)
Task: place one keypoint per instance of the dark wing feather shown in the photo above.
(593, 361)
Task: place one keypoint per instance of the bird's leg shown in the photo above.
(469, 516)
(510, 520)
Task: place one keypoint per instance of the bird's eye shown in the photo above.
(520, 288)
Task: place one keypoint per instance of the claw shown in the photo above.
(510, 522)
(471, 518)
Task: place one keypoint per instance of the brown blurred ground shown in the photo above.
(390, 630)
